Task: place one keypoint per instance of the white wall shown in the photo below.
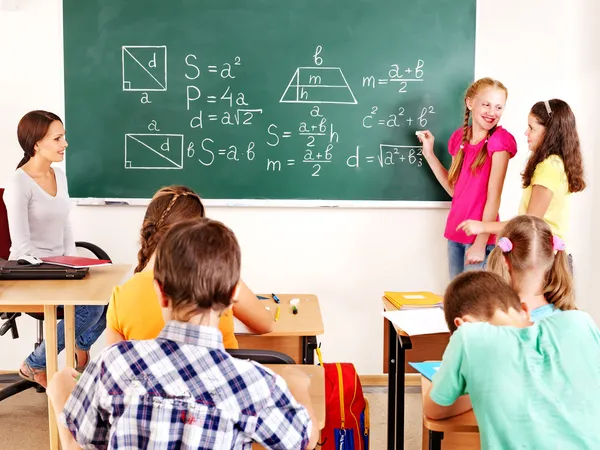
(346, 257)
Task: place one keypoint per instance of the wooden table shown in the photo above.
(294, 334)
(316, 390)
(458, 432)
(45, 296)
(396, 342)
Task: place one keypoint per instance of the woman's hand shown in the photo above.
(471, 227)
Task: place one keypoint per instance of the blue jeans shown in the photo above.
(456, 258)
(90, 322)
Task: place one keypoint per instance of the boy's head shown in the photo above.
(197, 267)
(479, 296)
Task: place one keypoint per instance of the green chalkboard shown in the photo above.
(263, 99)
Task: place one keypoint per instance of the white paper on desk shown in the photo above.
(418, 321)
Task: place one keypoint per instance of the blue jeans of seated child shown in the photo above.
(456, 258)
(90, 322)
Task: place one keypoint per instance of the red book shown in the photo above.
(76, 262)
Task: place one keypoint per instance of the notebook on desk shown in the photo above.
(414, 300)
(427, 369)
(12, 270)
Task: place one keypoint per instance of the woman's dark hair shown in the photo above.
(31, 129)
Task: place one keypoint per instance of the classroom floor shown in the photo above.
(24, 420)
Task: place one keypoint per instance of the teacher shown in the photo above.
(38, 207)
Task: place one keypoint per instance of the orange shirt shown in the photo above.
(135, 313)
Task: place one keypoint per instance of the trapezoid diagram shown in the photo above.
(319, 85)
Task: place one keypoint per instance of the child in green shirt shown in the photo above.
(531, 386)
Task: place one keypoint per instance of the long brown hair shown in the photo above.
(533, 248)
(560, 138)
(479, 161)
(32, 128)
(169, 206)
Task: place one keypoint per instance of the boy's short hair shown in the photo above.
(198, 265)
(479, 294)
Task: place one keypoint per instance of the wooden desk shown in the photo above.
(396, 342)
(45, 295)
(459, 432)
(317, 389)
(294, 334)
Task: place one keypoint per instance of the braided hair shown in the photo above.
(169, 206)
(457, 162)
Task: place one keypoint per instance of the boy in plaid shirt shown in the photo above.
(183, 390)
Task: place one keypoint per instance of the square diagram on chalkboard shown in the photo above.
(144, 68)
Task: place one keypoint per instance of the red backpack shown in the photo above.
(346, 410)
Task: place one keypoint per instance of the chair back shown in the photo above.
(262, 356)
(4, 231)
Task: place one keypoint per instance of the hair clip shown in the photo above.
(557, 243)
(505, 244)
(548, 109)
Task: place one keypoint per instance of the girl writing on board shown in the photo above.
(480, 152)
(553, 172)
(38, 206)
(134, 311)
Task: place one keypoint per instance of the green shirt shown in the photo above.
(531, 388)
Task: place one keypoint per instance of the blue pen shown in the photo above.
(275, 298)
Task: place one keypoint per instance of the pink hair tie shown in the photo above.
(505, 244)
(557, 243)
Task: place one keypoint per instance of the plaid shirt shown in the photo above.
(182, 391)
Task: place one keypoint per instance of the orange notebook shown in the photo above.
(76, 262)
(414, 300)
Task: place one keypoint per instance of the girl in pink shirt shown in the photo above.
(480, 152)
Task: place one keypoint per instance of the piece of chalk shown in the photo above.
(420, 133)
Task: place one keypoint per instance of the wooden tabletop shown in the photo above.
(95, 289)
(317, 386)
(465, 423)
(308, 321)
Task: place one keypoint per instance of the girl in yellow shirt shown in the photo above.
(134, 312)
(554, 170)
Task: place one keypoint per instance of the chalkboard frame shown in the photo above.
(292, 202)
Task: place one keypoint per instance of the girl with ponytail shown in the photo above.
(134, 311)
(534, 261)
(480, 152)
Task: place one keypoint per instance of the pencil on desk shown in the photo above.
(277, 313)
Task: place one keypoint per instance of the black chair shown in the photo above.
(10, 318)
(262, 356)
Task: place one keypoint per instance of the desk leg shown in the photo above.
(70, 334)
(435, 440)
(309, 345)
(392, 385)
(51, 366)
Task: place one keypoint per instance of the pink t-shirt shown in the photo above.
(470, 191)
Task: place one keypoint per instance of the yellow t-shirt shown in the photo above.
(551, 174)
(135, 313)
